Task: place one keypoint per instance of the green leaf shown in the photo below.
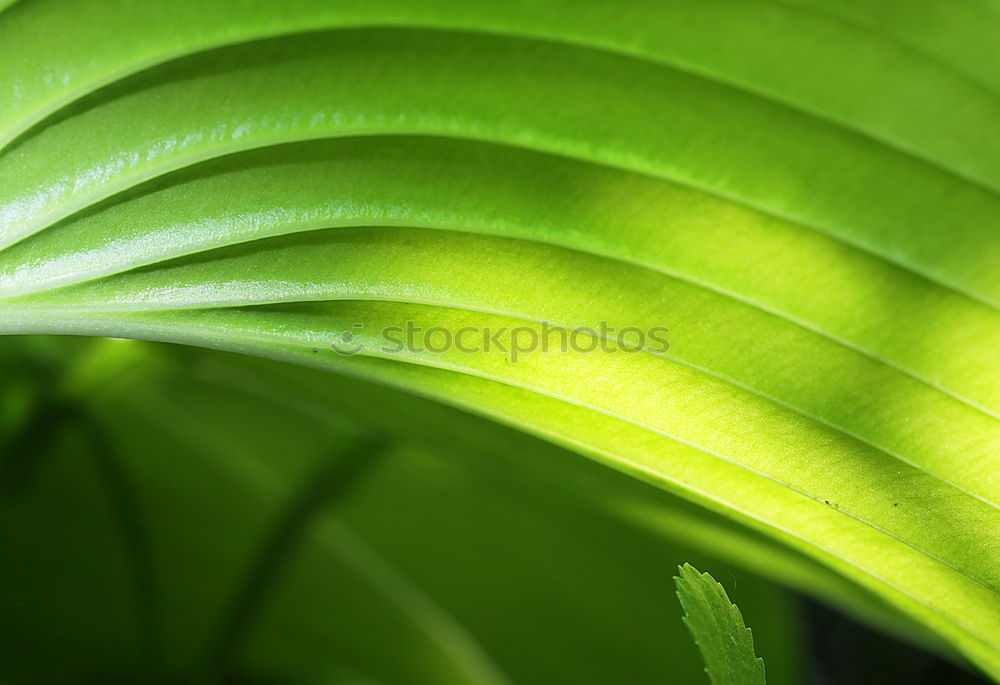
(718, 629)
(818, 235)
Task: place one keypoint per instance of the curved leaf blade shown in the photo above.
(830, 380)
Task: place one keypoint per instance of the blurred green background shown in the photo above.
(177, 516)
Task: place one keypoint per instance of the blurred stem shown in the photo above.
(331, 483)
(26, 455)
(128, 513)
(24, 452)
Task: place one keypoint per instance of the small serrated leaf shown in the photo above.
(717, 626)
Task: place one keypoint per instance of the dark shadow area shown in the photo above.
(845, 652)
